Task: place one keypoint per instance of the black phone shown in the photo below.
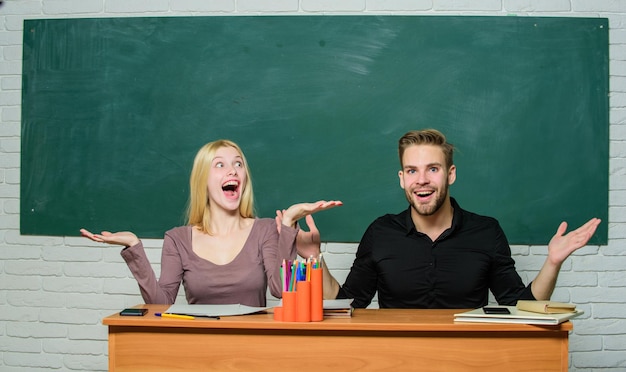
(496, 310)
(133, 312)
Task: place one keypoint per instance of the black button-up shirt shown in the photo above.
(456, 271)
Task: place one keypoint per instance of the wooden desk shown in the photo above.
(385, 339)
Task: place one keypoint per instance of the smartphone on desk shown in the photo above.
(496, 310)
(133, 312)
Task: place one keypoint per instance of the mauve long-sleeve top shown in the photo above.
(244, 280)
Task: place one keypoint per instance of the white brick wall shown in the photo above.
(55, 291)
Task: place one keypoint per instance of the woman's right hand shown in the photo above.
(291, 215)
(125, 238)
(308, 243)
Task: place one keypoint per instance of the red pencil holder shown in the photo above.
(289, 306)
(303, 299)
(317, 295)
(278, 313)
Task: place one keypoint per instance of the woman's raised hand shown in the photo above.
(291, 215)
(307, 242)
(125, 238)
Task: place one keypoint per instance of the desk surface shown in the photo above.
(363, 319)
(372, 339)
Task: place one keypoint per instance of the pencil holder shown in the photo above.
(317, 295)
(303, 299)
(289, 306)
(278, 313)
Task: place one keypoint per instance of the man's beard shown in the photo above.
(430, 208)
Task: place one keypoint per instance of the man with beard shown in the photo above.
(437, 255)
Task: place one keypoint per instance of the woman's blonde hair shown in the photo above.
(199, 207)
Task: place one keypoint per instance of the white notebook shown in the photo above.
(515, 316)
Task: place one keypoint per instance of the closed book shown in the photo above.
(338, 308)
(545, 307)
(344, 313)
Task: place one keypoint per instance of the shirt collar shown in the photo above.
(457, 218)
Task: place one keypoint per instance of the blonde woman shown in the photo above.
(225, 254)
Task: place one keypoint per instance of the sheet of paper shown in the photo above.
(214, 310)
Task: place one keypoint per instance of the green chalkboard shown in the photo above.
(114, 109)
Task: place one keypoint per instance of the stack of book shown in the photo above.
(338, 308)
(526, 312)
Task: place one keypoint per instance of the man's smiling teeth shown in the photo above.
(424, 193)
